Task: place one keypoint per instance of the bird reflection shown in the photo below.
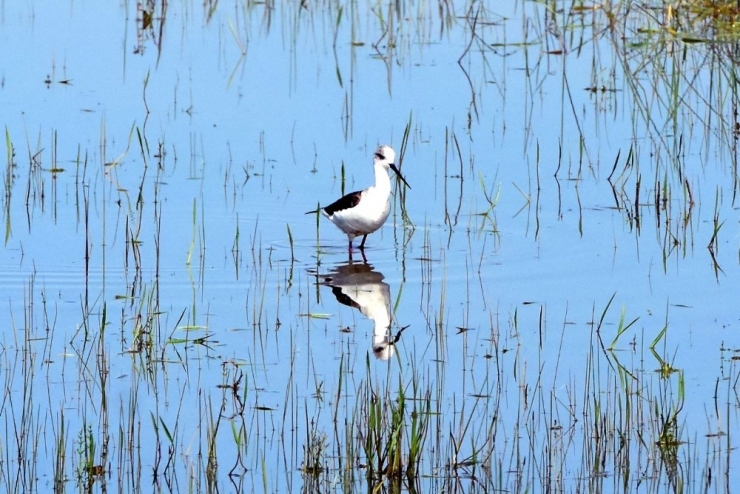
(359, 286)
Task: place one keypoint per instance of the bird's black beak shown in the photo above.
(393, 167)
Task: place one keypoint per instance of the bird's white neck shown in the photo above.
(382, 181)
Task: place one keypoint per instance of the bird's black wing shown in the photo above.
(347, 202)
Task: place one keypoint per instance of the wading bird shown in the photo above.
(363, 212)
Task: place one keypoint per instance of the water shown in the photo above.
(169, 318)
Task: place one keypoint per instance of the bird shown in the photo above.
(364, 211)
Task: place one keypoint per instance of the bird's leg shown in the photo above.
(362, 244)
(350, 246)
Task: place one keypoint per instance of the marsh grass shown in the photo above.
(8, 182)
(502, 420)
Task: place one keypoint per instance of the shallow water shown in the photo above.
(169, 314)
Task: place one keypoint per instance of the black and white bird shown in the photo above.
(365, 211)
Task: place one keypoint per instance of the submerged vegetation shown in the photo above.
(548, 312)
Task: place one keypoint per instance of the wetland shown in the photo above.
(548, 308)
